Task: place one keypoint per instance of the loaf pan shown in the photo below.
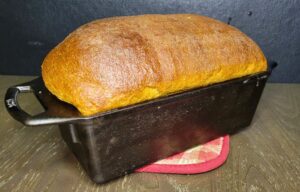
(114, 143)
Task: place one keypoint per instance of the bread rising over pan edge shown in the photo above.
(119, 61)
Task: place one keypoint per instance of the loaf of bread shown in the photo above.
(120, 61)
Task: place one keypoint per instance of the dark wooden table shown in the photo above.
(264, 157)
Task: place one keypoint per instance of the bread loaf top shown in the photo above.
(119, 61)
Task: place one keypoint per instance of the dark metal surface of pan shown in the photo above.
(111, 144)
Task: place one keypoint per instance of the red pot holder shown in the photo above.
(199, 159)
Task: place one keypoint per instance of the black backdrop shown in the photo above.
(29, 29)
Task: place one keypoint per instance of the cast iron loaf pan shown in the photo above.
(114, 143)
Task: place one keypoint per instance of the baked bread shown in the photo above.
(119, 61)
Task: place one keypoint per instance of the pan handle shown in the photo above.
(11, 103)
(272, 65)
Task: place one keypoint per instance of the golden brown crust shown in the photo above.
(115, 62)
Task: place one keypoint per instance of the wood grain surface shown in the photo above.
(264, 157)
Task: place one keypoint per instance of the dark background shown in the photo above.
(29, 29)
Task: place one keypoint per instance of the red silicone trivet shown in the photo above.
(199, 159)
